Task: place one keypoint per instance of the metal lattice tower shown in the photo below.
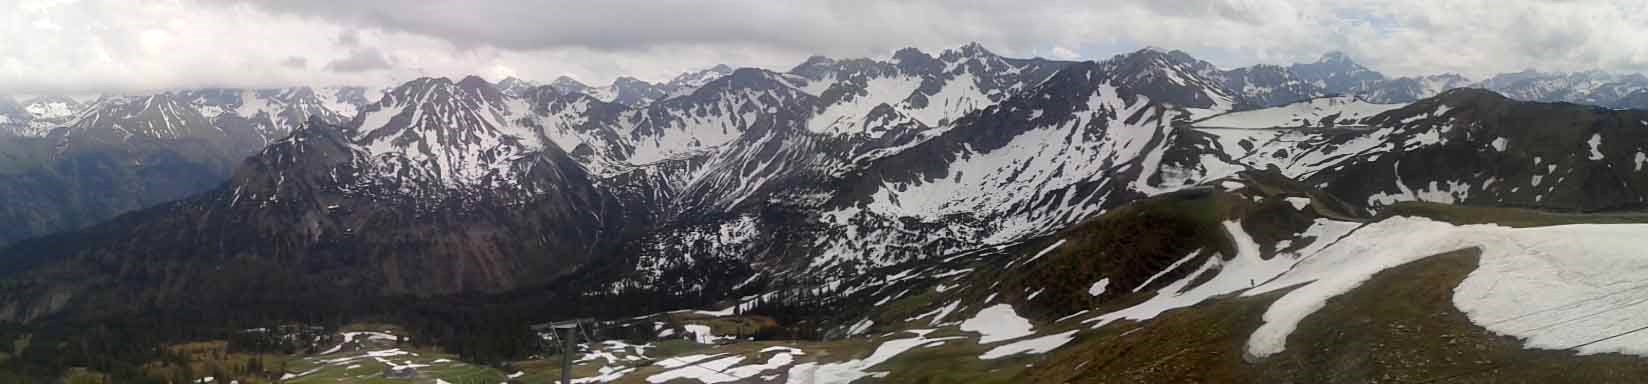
(566, 334)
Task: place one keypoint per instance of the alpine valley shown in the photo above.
(956, 216)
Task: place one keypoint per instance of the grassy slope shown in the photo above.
(1510, 217)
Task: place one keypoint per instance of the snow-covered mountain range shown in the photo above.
(852, 180)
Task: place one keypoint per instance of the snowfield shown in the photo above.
(1308, 113)
(1556, 287)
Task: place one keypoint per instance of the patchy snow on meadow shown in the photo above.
(724, 369)
(1035, 345)
(847, 371)
(702, 334)
(997, 323)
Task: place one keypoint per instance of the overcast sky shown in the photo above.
(69, 46)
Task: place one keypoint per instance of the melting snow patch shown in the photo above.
(848, 371)
(1035, 345)
(708, 372)
(860, 327)
(1595, 144)
(724, 369)
(1299, 203)
(1243, 271)
(997, 323)
(334, 348)
(1099, 287)
(1554, 287)
(701, 333)
(1043, 252)
(681, 361)
(290, 376)
(939, 314)
(605, 375)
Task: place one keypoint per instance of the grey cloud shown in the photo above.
(634, 25)
(114, 44)
(360, 60)
(349, 38)
(295, 62)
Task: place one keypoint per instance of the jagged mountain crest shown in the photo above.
(1173, 78)
(161, 116)
(514, 86)
(452, 134)
(274, 113)
(687, 82)
(1035, 146)
(1336, 73)
(567, 84)
(714, 114)
(1588, 87)
(928, 89)
(37, 116)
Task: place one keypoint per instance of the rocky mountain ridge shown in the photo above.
(816, 175)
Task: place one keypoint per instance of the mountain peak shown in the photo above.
(814, 62)
(566, 84)
(1334, 57)
(513, 81)
(1468, 93)
(626, 80)
(425, 83)
(910, 54)
(472, 81)
(566, 80)
(514, 86)
(974, 49)
(694, 79)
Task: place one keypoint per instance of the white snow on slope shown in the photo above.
(702, 334)
(1308, 113)
(996, 323)
(1339, 268)
(1031, 165)
(1282, 148)
(1044, 252)
(1035, 345)
(848, 116)
(725, 369)
(1554, 287)
(1099, 287)
(1299, 203)
(1595, 145)
(682, 361)
(848, 371)
(606, 374)
(707, 372)
(1246, 270)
